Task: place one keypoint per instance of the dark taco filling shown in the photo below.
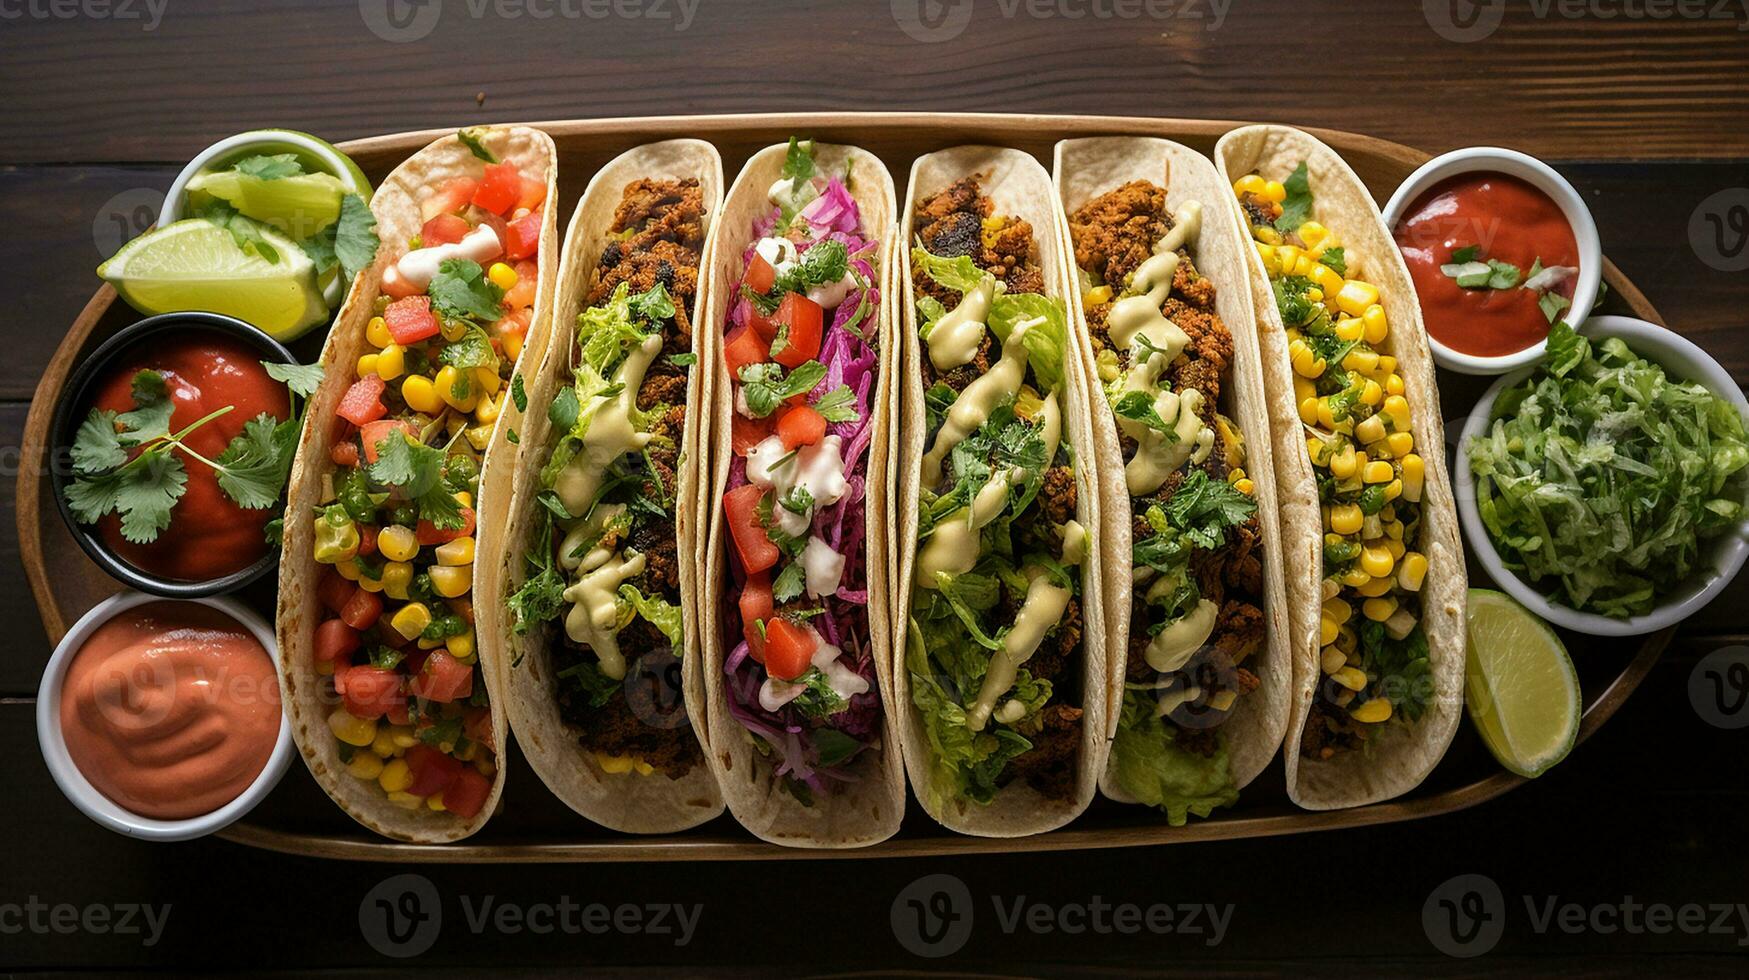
(1162, 355)
(604, 573)
(995, 631)
(803, 367)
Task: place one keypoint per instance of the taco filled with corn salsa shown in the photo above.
(1194, 593)
(394, 698)
(1001, 679)
(592, 571)
(800, 732)
(1360, 468)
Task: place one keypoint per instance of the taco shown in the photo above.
(1002, 688)
(1378, 611)
(395, 703)
(1166, 328)
(591, 571)
(797, 611)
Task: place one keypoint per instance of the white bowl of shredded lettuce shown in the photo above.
(1611, 493)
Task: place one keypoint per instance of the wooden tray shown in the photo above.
(533, 826)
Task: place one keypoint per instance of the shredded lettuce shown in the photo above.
(1600, 476)
(661, 613)
(1151, 767)
(966, 763)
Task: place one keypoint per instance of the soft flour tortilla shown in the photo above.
(868, 809)
(1085, 169)
(396, 206)
(1018, 186)
(629, 802)
(1403, 754)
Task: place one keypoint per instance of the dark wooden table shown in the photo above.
(1644, 105)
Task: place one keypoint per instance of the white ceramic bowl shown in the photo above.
(86, 797)
(1494, 159)
(1725, 554)
(271, 141)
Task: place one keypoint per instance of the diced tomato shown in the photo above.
(374, 434)
(362, 610)
(414, 660)
(534, 191)
(335, 639)
(763, 326)
(410, 320)
(500, 229)
(788, 649)
(367, 541)
(522, 236)
(756, 604)
(344, 453)
(462, 606)
(466, 794)
(500, 189)
(760, 275)
(747, 433)
(363, 402)
(445, 229)
(398, 713)
(333, 590)
(477, 726)
(743, 348)
(741, 505)
(429, 533)
(452, 196)
(433, 771)
(370, 692)
(802, 344)
(801, 426)
(521, 296)
(443, 678)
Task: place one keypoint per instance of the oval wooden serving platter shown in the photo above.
(533, 826)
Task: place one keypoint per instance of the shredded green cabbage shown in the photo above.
(1600, 477)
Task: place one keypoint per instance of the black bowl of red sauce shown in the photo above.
(208, 361)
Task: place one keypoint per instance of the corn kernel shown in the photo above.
(1309, 409)
(1414, 472)
(427, 643)
(1313, 233)
(351, 730)
(392, 362)
(434, 802)
(451, 581)
(1355, 578)
(487, 410)
(1289, 257)
(1318, 451)
(1393, 528)
(1370, 429)
(364, 765)
(348, 570)
(453, 423)
(1362, 360)
(1349, 329)
(457, 552)
(1350, 677)
(502, 276)
(513, 346)
(1376, 325)
(1395, 547)
(1274, 192)
(642, 768)
(384, 744)
(1305, 267)
(377, 332)
(1355, 296)
(397, 578)
(1378, 472)
(452, 330)
(397, 542)
(1235, 474)
(420, 395)
(1375, 588)
(1373, 712)
(1345, 463)
(403, 736)
(1264, 252)
(1249, 184)
(1346, 518)
(613, 764)
(1376, 560)
(1401, 443)
(461, 647)
(367, 365)
(447, 381)
(464, 498)
(1327, 628)
(488, 380)
(1412, 572)
(1393, 490)
(1327, 279)
(1348, 640)
(1325, 413)
(411, 619)
(1331, 660)
(479, 436)
(405, 800)
(369, 584)
(1397, 407)
(1099, 295)
(1394, 384)
(1380, 609)
(1245, 486)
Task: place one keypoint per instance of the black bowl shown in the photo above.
(75, 404)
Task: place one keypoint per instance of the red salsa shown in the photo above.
(209, 535)
(1486, 218)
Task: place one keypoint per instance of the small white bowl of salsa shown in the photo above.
(1499, 246)
(161, 718)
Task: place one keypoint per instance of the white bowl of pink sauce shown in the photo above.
(161, 718)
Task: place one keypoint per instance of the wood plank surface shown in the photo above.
(1557, 78)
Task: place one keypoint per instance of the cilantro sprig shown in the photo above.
(127, 463)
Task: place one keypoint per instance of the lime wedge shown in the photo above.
(1522, 691)
(299, 206)
(194, 264)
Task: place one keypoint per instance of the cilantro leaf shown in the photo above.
(269, 166)
(472, 350)
(819, 699)
(96, 447)
(418, 470)
(564, 409)
(654, 305)
(1297, 207)
(789, 582)
(253, 468)
(301, 379)
(1468, 253)
(1336, 259)
(150, 418)
(1204, 509)
(355, 236)
(245, 232)
(474, 139)
(1137, 406)
(461, 291)
(144, 502)
(838, 405)
(766, 386)
(683, 360)
(519, 394)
